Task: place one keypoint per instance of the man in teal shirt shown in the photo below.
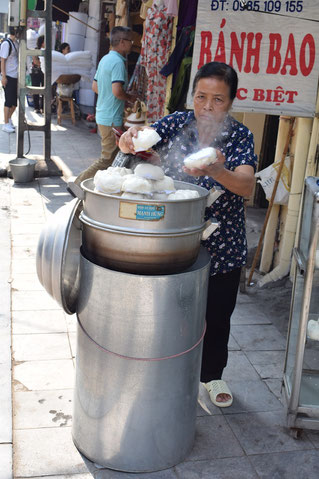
(109, 83)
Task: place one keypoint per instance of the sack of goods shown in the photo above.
(65, 90)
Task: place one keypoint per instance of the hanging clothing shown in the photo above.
(138, 81)
(183, 48)
(171, 7)
(177, 101)
(121, 13)
(155, 50)
(187, 13)
(144, 8)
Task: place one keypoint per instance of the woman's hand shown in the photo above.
(126, 141)
(212, 170)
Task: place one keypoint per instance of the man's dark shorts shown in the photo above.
(11, 92)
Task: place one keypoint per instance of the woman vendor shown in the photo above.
(182, 133)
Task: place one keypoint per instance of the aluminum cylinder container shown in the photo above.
(142, 236)
(139, 346)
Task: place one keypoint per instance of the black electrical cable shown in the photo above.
(25, 121)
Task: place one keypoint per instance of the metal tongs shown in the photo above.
(123, 159)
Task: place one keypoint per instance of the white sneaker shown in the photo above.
(10, 121)
(8, 128)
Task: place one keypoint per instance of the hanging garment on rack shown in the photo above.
(187, 13)
(144, 7)
(121, 13)
(183, 48)
(179, 93)
(155, 50)
(171, 7)
(138, 81)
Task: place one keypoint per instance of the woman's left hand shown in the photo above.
(212, 170)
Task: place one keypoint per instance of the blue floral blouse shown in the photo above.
(227, 245)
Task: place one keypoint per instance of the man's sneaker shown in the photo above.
(8, 128)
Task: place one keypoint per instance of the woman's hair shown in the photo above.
(40, 41)
(222, 72)
(118, 33)
(63, 46)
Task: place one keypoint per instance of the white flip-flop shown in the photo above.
(216, 387)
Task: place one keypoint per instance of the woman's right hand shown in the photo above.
(126, 141)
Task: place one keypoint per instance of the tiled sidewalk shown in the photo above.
(247, 441)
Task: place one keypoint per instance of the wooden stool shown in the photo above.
(71, 115)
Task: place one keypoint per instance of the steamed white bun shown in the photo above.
(118, 170)
(183, 195)
(166, 184)
(135, 184)
(160, 196)
(313, 330)
(151, 172)
(106, 183)
(203, 157)
(133, 196)
(145, 139)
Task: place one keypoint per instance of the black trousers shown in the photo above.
(37, 79)
(221, 301)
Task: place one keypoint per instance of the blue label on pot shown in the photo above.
(150, 212)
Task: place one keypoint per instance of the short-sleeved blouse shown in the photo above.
(227, 245)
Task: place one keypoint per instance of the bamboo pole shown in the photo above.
(69, 14)
(271, 201)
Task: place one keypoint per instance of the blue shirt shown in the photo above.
(111, 69)
(227, 245)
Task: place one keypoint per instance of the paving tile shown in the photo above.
(287, 465)
(109, 474)
(313, 436)
(248, 313)
(275, 385)
(43, 375)
(35, 347)
(258, 337)
(232, 344)
(68, 476)
(22, 228)
(24, 322)
(214, 439)
(72, 339)
(45, 452)
(251, 396)
(71, 322)
(33, 300)
(6, 403)
(22, 266)
(268, 364)
(265, 432)
(26, 282)
(230, 468)
(24, 252)
(6, 461)
(24, 240)
(239, 368)
(36, 409)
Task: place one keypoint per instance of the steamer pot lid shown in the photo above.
(58, 255)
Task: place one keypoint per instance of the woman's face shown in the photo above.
(211, 100)
(66, 50)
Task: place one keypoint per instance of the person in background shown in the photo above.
(9, 77)
(182, 133)
(64, 48)
(109, 83)
(37, 77)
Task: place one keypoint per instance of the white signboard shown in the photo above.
(272, 45)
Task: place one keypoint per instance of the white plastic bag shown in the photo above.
(267, 180)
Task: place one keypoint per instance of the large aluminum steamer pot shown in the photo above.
(144, 236)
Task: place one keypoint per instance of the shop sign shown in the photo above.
(273, 46)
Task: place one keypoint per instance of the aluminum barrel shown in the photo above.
(139, 346)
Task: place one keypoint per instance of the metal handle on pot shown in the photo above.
(214, 193)
(210, 227)
(76, 190)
